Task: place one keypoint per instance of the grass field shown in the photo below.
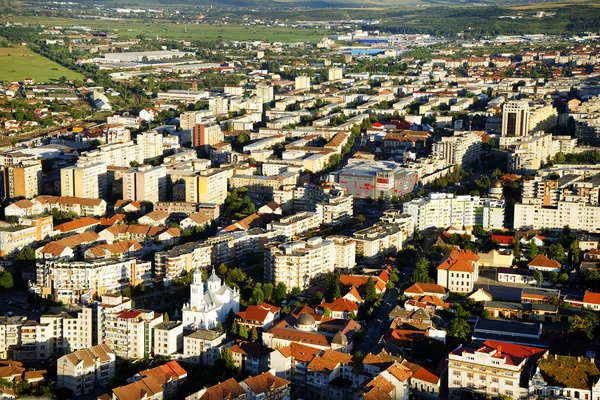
(17, 63)
(171, 30)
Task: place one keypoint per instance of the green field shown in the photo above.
(172, 30)
(18, 63)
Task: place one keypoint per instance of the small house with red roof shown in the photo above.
(425, 382)
(353, 296)
(503, 240)
(591, 300)
(459, 271)
(427, 289)
(340, 308)
(544, 264)
(261, 317)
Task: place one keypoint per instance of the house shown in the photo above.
(154, 218)
(339, 308)
(428, 303)
(76, 226)
(86, 370)
(391, 383)
(427, 289)
(459, 271)
(515, 275)
(353, 296)
(230, 390)
(591, 300)
(538, 295)
(266, 386)
(544, 264)
(126, 248)
(127, 206)
(425, 383)
(290, 362)
(251, 357)
(162, 382)
(195, 220)
(66, 247)
(565, 377)
(480, 295)
(262, 316)
(503, 240)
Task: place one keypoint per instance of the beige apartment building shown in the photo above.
(23, 179)
(70, 331)
(86, 370)
(129, 333)
(208, 186)
(145, 183)
(84, 180)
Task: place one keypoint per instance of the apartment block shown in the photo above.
(261, 187)
(294, 225)
(130, 333)
(181, 259)
(374, 242)
(207, 134)
(84, 180)
(23, 179)
(203, 347)
(345, 252)
(70, 331)
(442, 210)
(168, 338)
(145, 183)
(150, 145)
(115, 154)
(298, 263)
(86, 370)
(462, 149)
(71, 282)
(491, 368)
(208, 186)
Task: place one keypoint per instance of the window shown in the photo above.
(508, 382)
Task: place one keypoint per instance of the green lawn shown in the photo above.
(18, 63)
(172, 30)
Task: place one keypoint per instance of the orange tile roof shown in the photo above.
(76, 224)
(541, 261)
(257, 313)
(591, 298)
(229, 389)
(400, 372)
(426, 375)
(422, 288)
(340, 305)
(299, 352)
(265, 382)
(459, 260)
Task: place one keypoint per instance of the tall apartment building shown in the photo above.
(117, 133)
(218, 105)
(294, 225)
(108, 304)
(403, 221)
(442, 210)
(203, 347)
(261, 187)
(71, 331)
(86, 370)
(10, 335)
(375, 241)
(145, 183)
(150, 145)
(529, 154)
(515, 119)
(84, 180)
(491, 368)
(14, 238)
(264, 92)
(129, 333)
(168, 338)
(23, 179)
(345, 252)
(335, 74)
(35, 342)
(298, 263)
(302, 83)
(72, 282)
(189, 119)
(463, 149)
(114, 154)
(208, 186)
(181, 259)
(207, 134)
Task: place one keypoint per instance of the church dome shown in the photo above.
(496, 184)
(340, 339)
(306, 320)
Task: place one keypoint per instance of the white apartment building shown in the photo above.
(189, 119)
(492, 369)
(117, 133)
(207, 134)
(150, 145)
(181, 259)
(530, 153)
(109, 304)
(70, 331)
(298, 263)
(345, 252)
(302, 83)
(115, 154)
(84, 180)
(14, 238)
(579, 216)
(335, 74)
(463, 149)
(168, 338)
(261, 187)
(295, 225)
(264, 92)
(208, 186)
(129, 333)
(86, 370)
(515, 119)
(35, 342)
(373, 242)
(203, 347)
(336, 209)
(10, 335)
(145, 183)
(72, 282)
(403, 221)
(442, 210)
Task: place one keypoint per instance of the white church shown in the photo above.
(207, 308)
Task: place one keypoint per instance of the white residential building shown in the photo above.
(168, 338)
(463, 149)
(374, 242)
(145, 183)
(294, 225)
(84, 180)
(150, 145)
(87, 370)
(129, 333)
(203, 347)
(208, 186)
(298, 263)
(71, 331)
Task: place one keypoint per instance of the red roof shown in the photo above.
(129, 314)
(258, 313)
(591, 297)
(426, 375)
(503, 239)
(514, 354)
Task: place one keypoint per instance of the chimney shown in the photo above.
(545, 355)
(578, 359)
(592, 360)
(499, 352)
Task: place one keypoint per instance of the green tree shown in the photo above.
(165, 317)
(361, 219)
(257, 296)
(533, 249)
(226, 363)
(222, 269)
(538, 277)
(567, 232)
(296, 291)
(267, 289)
(575, 252)
(459, 331)
(516, 245)
(243, 137)
(421, 272)
(371, 295)
(563, 278)
(352, 315)
(254, 334)
(327, 312)
(583, 327)
(280, 291)
(553, 276)
(26, 254)
(6, 280)
(556, 252)
(234, 328)
(243, 332)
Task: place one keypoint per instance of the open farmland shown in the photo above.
(17, 63)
